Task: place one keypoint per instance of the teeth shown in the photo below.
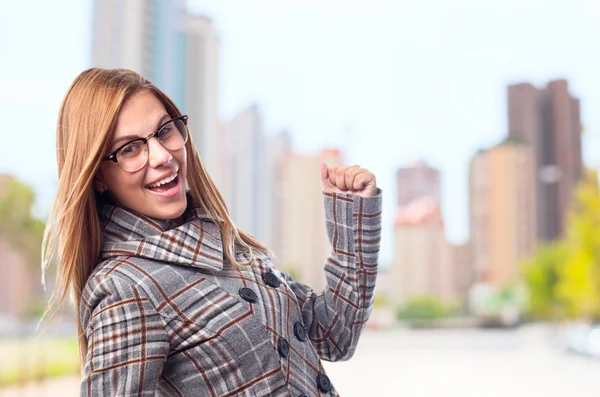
(163, 181)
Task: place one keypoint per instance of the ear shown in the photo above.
(99, 184)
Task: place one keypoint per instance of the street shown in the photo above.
(432, 363)
(465, 363)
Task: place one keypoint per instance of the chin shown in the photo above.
(172, 210)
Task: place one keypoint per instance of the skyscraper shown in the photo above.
(425, 263)
(416, 181)
(140, 35)
(247, 171)
(418, 249)
(279, 147)
(502, 210)
(548, 120)
(305, 245)
(199, 77)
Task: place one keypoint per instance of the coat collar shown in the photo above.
(196, 243)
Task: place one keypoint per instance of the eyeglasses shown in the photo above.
(133, 155)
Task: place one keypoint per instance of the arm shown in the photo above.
(336, 317)
(127, 341)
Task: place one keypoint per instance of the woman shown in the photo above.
(173, 299)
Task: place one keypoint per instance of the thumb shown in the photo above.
(325, 177)
(324, 171)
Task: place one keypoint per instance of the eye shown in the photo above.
(131, 149)
(166, 132)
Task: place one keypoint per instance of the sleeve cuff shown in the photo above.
(371, 204)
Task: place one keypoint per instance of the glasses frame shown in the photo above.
(113, 155)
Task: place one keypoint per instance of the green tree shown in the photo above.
(579, 277)
(541, 275)
(18, 228)
(422, 310)
(564, 277)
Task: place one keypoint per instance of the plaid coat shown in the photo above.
(166, 314)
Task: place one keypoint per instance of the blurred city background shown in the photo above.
(480, 119)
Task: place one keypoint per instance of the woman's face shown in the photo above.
(141, 115)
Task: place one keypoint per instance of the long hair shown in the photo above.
(86, 123)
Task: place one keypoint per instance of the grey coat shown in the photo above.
(166, 314)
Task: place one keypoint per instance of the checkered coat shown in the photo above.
(166, 314)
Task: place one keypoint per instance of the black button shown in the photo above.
(271, 279)
(300, 332)
(248, 295)
(303, 395)
(284, 347)
(323, 383)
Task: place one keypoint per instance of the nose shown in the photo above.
(158, 155)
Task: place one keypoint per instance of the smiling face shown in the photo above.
(141, 115)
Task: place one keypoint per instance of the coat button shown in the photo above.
(248, 295)
(271, 279)
(284, 347)
(303, 395)
(323, 383)
(300, 331)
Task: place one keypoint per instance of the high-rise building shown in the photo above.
(502, 211)
(279, 147)
(305, 245)
(455, 272)
(416, 181)
(416, 269)
(140, 35)
(548, 120)
(425, 263)
(247, 171)
(199, 77)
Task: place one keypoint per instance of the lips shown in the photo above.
(163, 180)
(167, 190)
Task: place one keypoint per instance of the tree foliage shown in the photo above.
(578, 284)
(424, 308)
(564, 277)
(541, 275)
(18, 228)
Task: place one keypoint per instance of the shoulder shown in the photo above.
(112, 284)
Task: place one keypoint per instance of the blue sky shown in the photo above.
(389, 82)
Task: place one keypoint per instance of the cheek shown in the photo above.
(182, 160)
(121, 183)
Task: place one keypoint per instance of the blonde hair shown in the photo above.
(86, 122)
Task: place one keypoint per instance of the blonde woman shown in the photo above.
(173, 299)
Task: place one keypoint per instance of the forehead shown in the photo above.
(139, 115)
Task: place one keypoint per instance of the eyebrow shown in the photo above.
(126, 138)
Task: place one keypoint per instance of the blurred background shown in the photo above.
(480, 120)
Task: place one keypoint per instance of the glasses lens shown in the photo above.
(173, 135)
(133, 156)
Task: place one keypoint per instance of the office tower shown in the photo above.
(548, 119)
(140, 35)
(416, 181)
(305, 245)
(199, 78)
(418, 249)
(502, 210)
(279, 147)
(247, 171)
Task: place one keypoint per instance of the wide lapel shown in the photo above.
(196, 243)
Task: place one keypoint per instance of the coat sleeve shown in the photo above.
(336, 317)
(127, 341)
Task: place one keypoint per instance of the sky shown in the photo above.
(388, 82)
